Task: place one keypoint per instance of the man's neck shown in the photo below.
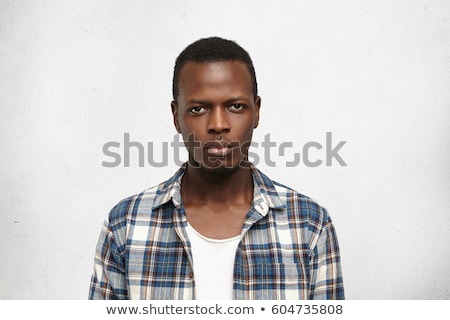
(200, 186)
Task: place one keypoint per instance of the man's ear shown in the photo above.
(257, 107)
(174, 106)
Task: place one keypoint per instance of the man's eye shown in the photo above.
(197, 110)
(236, 107)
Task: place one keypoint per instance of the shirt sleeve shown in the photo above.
(327, 281)
(108, 281)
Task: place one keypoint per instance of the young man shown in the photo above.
(219, 228)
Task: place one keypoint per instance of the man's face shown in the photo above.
(216, 113)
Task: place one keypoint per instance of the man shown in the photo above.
(218, 228)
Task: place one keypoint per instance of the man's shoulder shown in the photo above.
(137, 203)
(145, 201)
(298, 204)
(286, 192)
(125, 206)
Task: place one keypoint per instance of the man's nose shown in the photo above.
(218, 121)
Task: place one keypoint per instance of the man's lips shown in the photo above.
(219, 152)
(217, 149)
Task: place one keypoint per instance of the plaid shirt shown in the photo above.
(288, 250)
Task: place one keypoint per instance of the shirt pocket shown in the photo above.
(273, 281)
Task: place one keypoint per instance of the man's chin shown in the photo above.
(219, 171)
(217, 168)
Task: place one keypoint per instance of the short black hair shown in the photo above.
(213, 49)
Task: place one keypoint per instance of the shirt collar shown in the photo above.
(264, 193)
(170, 189)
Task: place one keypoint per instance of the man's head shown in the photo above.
(212, 49)
(215, 105)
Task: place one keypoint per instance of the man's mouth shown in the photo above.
(218, 149)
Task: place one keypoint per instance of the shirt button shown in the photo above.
(191, 275)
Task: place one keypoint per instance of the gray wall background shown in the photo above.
(75, 75)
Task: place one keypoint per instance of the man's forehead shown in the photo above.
(208, 65)
(231, 73)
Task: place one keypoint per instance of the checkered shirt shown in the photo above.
(288, 249)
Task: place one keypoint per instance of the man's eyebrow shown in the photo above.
(204, 102)
(195, 101)
(236, 99)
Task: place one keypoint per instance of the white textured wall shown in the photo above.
(77, 74)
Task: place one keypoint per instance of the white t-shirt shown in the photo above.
(213, 265)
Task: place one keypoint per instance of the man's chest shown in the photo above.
(217, 221)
